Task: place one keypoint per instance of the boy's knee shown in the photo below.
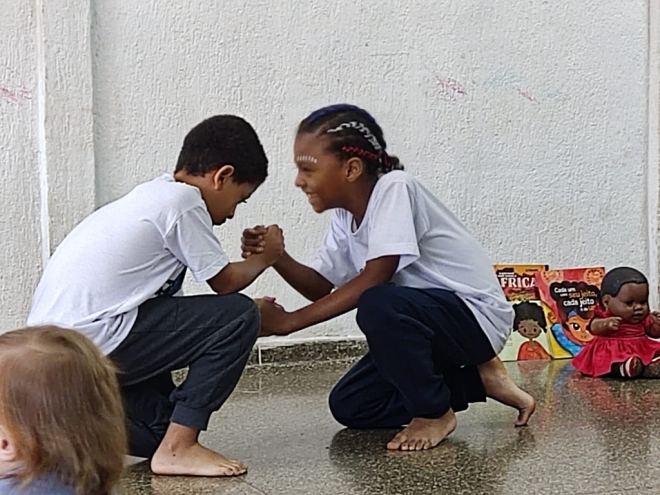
(251, 315)
(253, 323)
(239, 308)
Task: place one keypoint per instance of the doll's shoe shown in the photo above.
(652, 370)
(633, 367)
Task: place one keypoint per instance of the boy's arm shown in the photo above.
(235, 277)
(276, 321)
(604, 326)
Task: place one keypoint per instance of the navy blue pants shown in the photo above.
(424, 346)
(212, 335)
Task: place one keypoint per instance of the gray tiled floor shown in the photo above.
(588, 437)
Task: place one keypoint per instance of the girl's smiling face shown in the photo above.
(321, 175)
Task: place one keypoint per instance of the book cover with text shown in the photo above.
(528, 339)
(569, 298)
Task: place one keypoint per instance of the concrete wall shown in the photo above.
(530, 118)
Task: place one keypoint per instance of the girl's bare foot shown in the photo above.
(424, 434)
(179, 454)
(499, 386)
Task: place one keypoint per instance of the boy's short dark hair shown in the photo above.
(224, 140)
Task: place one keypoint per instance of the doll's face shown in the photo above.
(577, 326)
(529, 329)
(631, 303)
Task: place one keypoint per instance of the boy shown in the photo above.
(114, 278)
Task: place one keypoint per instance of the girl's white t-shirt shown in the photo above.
(436, 250)
(123, 254)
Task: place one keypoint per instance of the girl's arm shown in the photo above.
(276, 321)
(307, 281)
(604, 326)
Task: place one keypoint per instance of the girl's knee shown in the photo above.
(376, 308)
(373, 297)
(338, 407)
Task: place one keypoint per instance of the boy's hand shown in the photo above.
(252, 241)
(274, 320)
(274, 244)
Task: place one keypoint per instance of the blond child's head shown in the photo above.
(61, 413)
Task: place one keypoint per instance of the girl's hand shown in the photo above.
(274, 320)
(273, 244)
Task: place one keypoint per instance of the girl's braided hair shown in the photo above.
(352, 132)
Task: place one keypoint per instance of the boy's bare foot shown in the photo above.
(424, 434)
(179, 454)
(500, 387)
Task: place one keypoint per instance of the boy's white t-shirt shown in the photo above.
(122, 255)
(436, 250)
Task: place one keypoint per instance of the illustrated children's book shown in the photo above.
(569, 298)
(528, 339)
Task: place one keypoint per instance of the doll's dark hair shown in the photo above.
(352, 132)
(529, 311)
(617, 278)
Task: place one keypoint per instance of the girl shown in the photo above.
(621, 327)
(62, 425)
(427, 297)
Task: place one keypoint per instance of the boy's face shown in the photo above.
(321, 175)
(631, 303)
(224, 194)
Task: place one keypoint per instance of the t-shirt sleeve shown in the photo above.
(392, 228)
(332, 260)
(192, 241)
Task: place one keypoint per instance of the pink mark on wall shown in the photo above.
(450, 88)
(526, 95)
(15, 94)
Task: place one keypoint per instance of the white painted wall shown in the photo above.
(20, 242)
(528, 117)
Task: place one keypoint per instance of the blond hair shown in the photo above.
(60, 401)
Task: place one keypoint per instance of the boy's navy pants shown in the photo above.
(424, 346)
(212, 335)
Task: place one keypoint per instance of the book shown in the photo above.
(528, 339)
(569, 298)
